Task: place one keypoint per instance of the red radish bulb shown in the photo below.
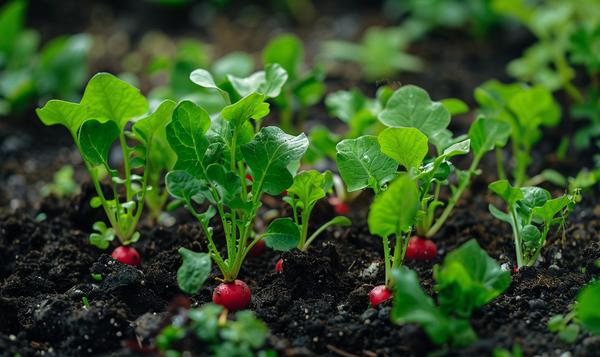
(249, 177)
(378, 295)
(420, 249)
(234, 296)
(339, 206)
(257, 249)
(279, 266)
(127, 255)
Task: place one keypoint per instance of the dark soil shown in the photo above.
(318, 304)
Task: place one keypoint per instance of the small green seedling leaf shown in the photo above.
(587, 311)
(268, 82)
(455, 106)
(203, 78)
(228, 184)
(486, 134)
(510, 194)
(106, 235)
(96, 139)
(109, 98)
(570, 333)
(360, 161)
(286, 50)
(408, 146)
(97, 277)
(194, 271)
(146, 127)
(95, 202)
(251, 106)
(531, 236)
(70, 115)
(283, 234)
(551, 208)
(394, 211)
(410, 106)
(268, 155)
(182, 185)
(309, 186)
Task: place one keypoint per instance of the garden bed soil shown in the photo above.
(318, 304)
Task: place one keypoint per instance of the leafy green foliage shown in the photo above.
(220, 336)
(527, 205)
(194, 270)
(526, 110)
(587, 311)
(212, 156)
(63, 183)
(468, 279)
(381, 53)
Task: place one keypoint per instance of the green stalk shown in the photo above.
(518, 242)
(388, 268)
(539, 249)
(316, 233)
(305, 216)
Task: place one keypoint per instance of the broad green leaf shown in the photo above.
(486, 134)
(146, 127)
(186, 134)
(70, 115)
(96, 139)
(268, 155)
(194, 270)
(182, 185)
(411, 305)
(311, 89)
(503, 189)
(286, 50)
(203, 78)
(109, 98)
(12, 18)
(410, 106)
(569, 334)
(251, 106)
(361, 159)
(533, 197)
(283, 234)
(469, 278)
(307, 186)
(228, 184)
(345, 104)
(551, 208)
(394, 211)
(444, 139)
(455, 106)
(250, 329)
(531, 236)
(222, 131)
(501, 215)
(340, 221)
(535, 107)
(460, 148)
(408, 146)
(238, 64)
(588, 309)
(267, 82)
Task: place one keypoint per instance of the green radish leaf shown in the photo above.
(587, 311)
(555, 323)
(412, 305)
(535, 107)
(109, 98)
(106, 235)
(182, 185)
(186, 134)
(340, 221)
(551, 208)
(194, 270)
(569, 334)
(12, 18)
(486, 134)
(268, 155)
(408, 146)
(251, 106)
(307, 186)
(531, 236)
(503, 189)
(95, 202)
(137, 161)
(268, 82)
(455, 106)
(70, 115)
(410, 106)
(222, 130)
(203, 78)
(469, 278)
(96, 139)
(444, 139)
(146, 127)
(229, 185)
(360, 160)
(239, 64)
(533, 197)
(288, 51)
(394, 211)
(283, 234)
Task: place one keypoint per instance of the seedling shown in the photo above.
(526, 109)
(63, 183)
(107, 106)
(211, 164)
(468, 279)
(527, 205)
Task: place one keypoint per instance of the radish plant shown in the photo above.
(107, 106)
(469, 279)
(212, 159)
(528, 205)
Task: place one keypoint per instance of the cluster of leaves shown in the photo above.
(468, 280)
(381, 53)
(100, 119)
(59, 68)
(63, 183)
(526, 109)
(218, 335)
(528, 205)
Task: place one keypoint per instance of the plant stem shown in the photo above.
(501, 173)
(517, 237)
